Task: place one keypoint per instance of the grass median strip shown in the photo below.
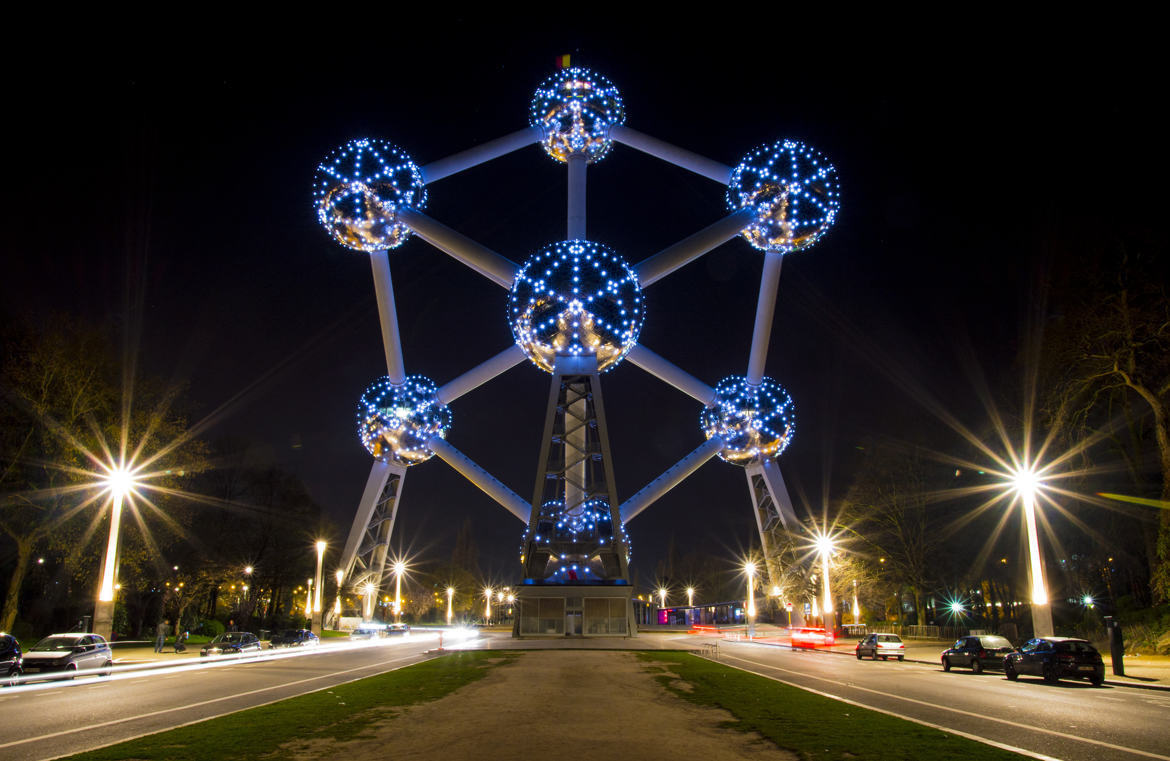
(812, 726)
(340, 712)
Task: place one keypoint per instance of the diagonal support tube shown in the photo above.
(482, 259)
(388, 317)
(437, 170)
(672, 477)
(576, 208)
(670, 373)
(688, 249)
(672, 154)
(467, 468)
(765, 310)
(379, 474)
(477, 376)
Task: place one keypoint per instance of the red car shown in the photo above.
(808, 636)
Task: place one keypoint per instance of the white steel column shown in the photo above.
(477, 376)
(379, 473)
(671, 478)
(688, 249)
(668, 372)
(765, 310)
(672, 154)
(576, 211)
(388, 317)
(467, 468)
(437, 170)
(480, 258)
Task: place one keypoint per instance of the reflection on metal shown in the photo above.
(363, 562)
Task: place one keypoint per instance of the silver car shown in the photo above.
(68, 655)
(882, 646)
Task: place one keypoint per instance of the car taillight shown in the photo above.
(901, 644)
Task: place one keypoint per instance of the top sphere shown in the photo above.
(754, 421)
(357, 190)
(794, 192)
(576, 108)
(575, 298)
(396, 422)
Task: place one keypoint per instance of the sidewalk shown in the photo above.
(1147, 671)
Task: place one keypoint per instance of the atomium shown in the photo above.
(794, 192)
(575, 298)
(576, 108)
(396, 422)
(755, 422)
(357, 190)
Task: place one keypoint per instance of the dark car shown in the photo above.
(232, 643)
(1056, 658)
(392, 629)
(884, 646)
(10, 660)
(68, 655)
(977, 652)
(293, 638)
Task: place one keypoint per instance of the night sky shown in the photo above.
(182, 204)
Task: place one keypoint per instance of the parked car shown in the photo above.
(1056, 658)
(977, 652)
(67, 655)
(884, 646)
(232, 643)
(368, 631)
(10, 660)
(392, 629)
(294, 638)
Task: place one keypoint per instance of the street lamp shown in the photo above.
(339, 575)
(856, 607)
(662, 597)
(824, 544)
(315, 623)
(120, 482)
(487, 608)
(750, 569)
(369, 612)
(1026, 483)
(690, 597)
(309, 600)
(399, 569)
(450, 597)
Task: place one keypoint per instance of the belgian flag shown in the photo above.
(563, 61)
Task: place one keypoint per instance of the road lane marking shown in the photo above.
(847, 685)
(160, 712)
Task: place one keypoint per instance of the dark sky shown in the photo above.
(963, 171)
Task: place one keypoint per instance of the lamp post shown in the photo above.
(1026, 483)
(749, 568)
(369, 609)
(120, 482)
(690, 597)
(450, 597)
(339, 575)
(318, 610)
(487, 606)
(399, 569)
(856, 607)
(309, 600)
(825, 548)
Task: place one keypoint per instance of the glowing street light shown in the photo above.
(856, 607)
(825, 546)
(487, 607)
(339, 575)
(690, 597)
(750, 569)
(369, 589)
(120, 482)
(309, 600)
(315, 623)
(450, 597)
(1026, 483)
(399, 569)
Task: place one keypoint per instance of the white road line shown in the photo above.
(112, 722)
(1054, 733)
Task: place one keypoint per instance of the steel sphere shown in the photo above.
(357, 190)
(755, 422)
(576, 108)
(575, 298)
(559, 530)
(794, 192)
(396, 422)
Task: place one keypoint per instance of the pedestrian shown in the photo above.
(231, 627)
(160, 637)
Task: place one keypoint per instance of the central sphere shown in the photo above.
(754, 422)
(575, 298)
(794, 192)
(358, 189)
(396, 422)
(575, 108)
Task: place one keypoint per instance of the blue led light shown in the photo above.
(575, 298)
(794, 191)
(754, 422)
(576, 108)
(395, 422)
(587, 525)
(357, 190)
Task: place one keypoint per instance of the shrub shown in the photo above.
(211, 628)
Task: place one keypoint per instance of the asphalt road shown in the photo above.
(1070, 720)
(51, 719)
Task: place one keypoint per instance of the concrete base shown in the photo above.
(560, 610)
(103, 619)
(1042, 620)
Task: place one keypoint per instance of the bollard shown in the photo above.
(1116, 645)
